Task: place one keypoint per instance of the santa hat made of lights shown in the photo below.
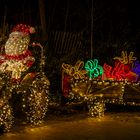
(23, 29)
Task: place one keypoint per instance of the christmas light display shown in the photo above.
(93, 68)
(17, 56)
(115, 87)
(96, 107)
(68, 72)
(126, 59)
(6, 112)
(75, 71)
(136, 69)
(6, 116)
(33, 87)
(35, 98)
(123, 69)
(116, 73)
(79, 88)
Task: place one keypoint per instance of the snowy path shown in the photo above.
(114, 126)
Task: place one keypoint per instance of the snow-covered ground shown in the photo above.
(113, 126)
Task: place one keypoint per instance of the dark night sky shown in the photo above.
(134, 13)
(27, 10)
(117, 21)
(19, 11)
(108, 15)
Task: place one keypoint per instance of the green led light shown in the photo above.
(93, 69)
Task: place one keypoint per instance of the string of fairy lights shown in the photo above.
(96, 100)
(89, 82)
(6, 117)
(35, 104)
(33, 88)
(6, 112)
(101, 85)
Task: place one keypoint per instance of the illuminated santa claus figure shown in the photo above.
(17, 57)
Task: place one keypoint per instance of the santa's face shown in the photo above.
(17, 43)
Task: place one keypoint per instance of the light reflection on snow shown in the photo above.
(127, 125)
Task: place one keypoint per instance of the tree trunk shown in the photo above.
(43, 19)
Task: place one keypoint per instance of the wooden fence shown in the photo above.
(63, 43)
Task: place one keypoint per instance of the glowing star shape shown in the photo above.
(93, 69)
(125, 59)
(75, 71)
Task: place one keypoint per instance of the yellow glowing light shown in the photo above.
(6, 117)
(75, 71)
(17, 43)
(35, 104)
(34, 87)
(125, 58)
